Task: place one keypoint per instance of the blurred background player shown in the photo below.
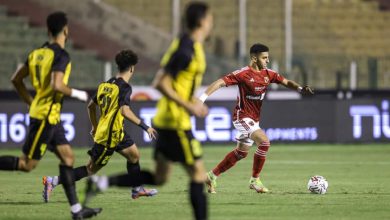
(113, 100)
(49, 69)
(183, 66)
(252, 81)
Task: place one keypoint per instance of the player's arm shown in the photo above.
(305, 90)
(211, 89)
(92, 116)
(58, 85)
(129, 115)
(17, 81)
(163, 83)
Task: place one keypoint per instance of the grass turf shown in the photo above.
(358, 187)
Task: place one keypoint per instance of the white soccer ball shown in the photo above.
(317, 184)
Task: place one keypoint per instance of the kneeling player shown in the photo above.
(113, 100)
(252, 82)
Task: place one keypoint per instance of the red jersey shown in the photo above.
(252, 86)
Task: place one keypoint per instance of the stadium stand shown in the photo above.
(322, 31)
(327, 35)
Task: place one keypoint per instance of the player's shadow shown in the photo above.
(16, 203)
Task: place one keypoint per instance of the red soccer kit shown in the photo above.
(252, 86)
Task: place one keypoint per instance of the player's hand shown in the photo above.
(152, 133)
(198, 108)
(306, 90)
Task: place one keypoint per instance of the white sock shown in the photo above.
(102, 183)
(75, 208)
(137, 188)
(54, 181)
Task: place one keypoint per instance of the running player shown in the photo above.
(49, 69)
(252, 81)
(113, 100)
(183, 66)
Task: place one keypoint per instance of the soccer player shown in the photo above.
(183, 66)
(113, 100)
(49, 69)
(252, 82)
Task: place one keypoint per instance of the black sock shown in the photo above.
(145, 177)
(79, 173)
(67, 179)
(9, 163)
(198, 200)
(133, 169)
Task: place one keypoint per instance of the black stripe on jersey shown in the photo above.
(110, 129)
(192, 88)
(181, 58)
(51, 105)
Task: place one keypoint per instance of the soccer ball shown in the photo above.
(317, 185)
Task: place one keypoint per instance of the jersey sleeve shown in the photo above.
(233, 78)
(124, 98)
(178, 61)
(60, 62)
(275, 77)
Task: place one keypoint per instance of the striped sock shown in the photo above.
(229, 161)
(259, 158)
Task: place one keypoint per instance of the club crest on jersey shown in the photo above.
(251, 123)
(266, 79)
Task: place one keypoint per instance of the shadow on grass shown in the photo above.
(27, 203)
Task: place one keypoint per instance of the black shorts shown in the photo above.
(42, 136)
(100, 154)
(178, 146)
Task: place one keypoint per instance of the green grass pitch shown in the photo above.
(359, 187)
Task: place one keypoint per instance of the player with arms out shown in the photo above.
(252, 82)
(49, 69)
(113, 100)
(183, 66)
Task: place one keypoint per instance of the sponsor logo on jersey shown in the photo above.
(259, 88)
(252, 80)
(253, 97)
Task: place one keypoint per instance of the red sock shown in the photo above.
(259, 158)
(230, 160)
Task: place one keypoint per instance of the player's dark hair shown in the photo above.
(258, 48)
(56, 22)
(195, 12)
(125, 59)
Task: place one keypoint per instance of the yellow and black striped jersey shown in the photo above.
(185, 61)
(110, 96)
(41, 63)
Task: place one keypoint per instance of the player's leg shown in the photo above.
(99, 157)
(240, 152)
(197, 195)
(49, 183)
(13, 163)
(130, 152)
(33, 149)
(64, 152)
(163, 170)
(79, 173)
(166, 145)
(191, 154)
(259, 159)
